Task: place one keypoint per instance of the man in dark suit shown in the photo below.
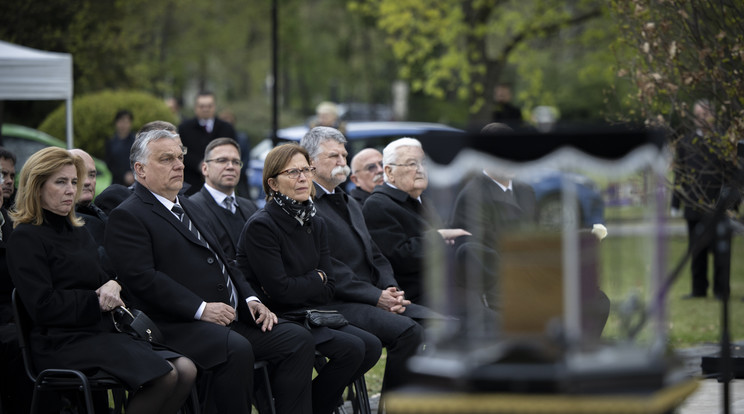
(366, 290)
(8, 171)
(400, 220)
(700, 174)
(366, 173)
(197, 132)
(226, 211)
(177, 273)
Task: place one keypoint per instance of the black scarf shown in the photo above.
(301, 211)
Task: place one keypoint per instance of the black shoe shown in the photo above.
(693, 296)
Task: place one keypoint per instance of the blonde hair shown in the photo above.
(36, 171)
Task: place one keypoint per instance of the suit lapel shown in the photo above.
(159, 209)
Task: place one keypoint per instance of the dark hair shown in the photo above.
(275, 161)
(122, 113)
(7, 154)
(218, 142)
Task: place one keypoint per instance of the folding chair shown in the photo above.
(57, 379)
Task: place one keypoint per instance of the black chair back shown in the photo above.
(23, 325)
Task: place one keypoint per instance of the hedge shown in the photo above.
(93, 117)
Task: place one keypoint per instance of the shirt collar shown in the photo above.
(166, 203)
(218, 195)
(505, 188)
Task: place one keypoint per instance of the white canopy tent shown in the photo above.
(30, 74)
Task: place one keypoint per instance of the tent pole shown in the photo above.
(68, 114)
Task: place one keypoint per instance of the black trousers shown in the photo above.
(290, 351)
(351, 352)
(699, 260)
(400, 334)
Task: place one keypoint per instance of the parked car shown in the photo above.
(23, 142)
(548, 185)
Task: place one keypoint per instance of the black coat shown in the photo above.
(399, 226)
(359, 195)
(281, 258)
(56, 273)
(360, 268)
(6, 284)
(486, 211)
(217, 220)
(170, 273)
(195, 138)
(700, 174)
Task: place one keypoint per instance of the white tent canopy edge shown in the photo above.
(30, 74)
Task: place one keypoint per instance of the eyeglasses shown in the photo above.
(412, 165)
(294, 173)
(223, 161)
(370, 168)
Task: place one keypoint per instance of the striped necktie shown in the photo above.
(189, 225)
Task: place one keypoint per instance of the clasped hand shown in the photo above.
(223, 314)
(393, 300)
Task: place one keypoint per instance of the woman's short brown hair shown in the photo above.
(36, 171)
(275, 162)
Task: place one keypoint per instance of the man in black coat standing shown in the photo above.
(366, 290)
(700, 174)
(177, 273)
(226, 211)
(197, 132)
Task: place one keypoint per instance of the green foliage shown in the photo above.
(462, 48)
(93, 117)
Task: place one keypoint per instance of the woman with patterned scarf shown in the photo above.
(283, 252)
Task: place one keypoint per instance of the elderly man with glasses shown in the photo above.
(366, 173)
(400, 220)
(226, 211)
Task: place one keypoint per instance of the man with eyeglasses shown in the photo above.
(226, 211)
(367, 292)
(366, 173)
(400, 221)
(197, 132)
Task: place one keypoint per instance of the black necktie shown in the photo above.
(187, 222)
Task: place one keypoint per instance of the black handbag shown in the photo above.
(136, 323)
(316, 317)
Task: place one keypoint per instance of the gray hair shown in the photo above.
(390, 152)
(140, 151)
(316, 136)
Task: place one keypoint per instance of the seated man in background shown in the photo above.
(366, 173)
(226, 212)
(400, 220)
(95, 219)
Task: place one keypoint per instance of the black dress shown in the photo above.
(55, 270)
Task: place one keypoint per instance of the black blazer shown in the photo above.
(227, 236)
(195, 138)
(360, 268)
(398, 225)
(170, 273)
(700, 174)
(280, 258)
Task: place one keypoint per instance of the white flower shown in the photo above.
(600, 231)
